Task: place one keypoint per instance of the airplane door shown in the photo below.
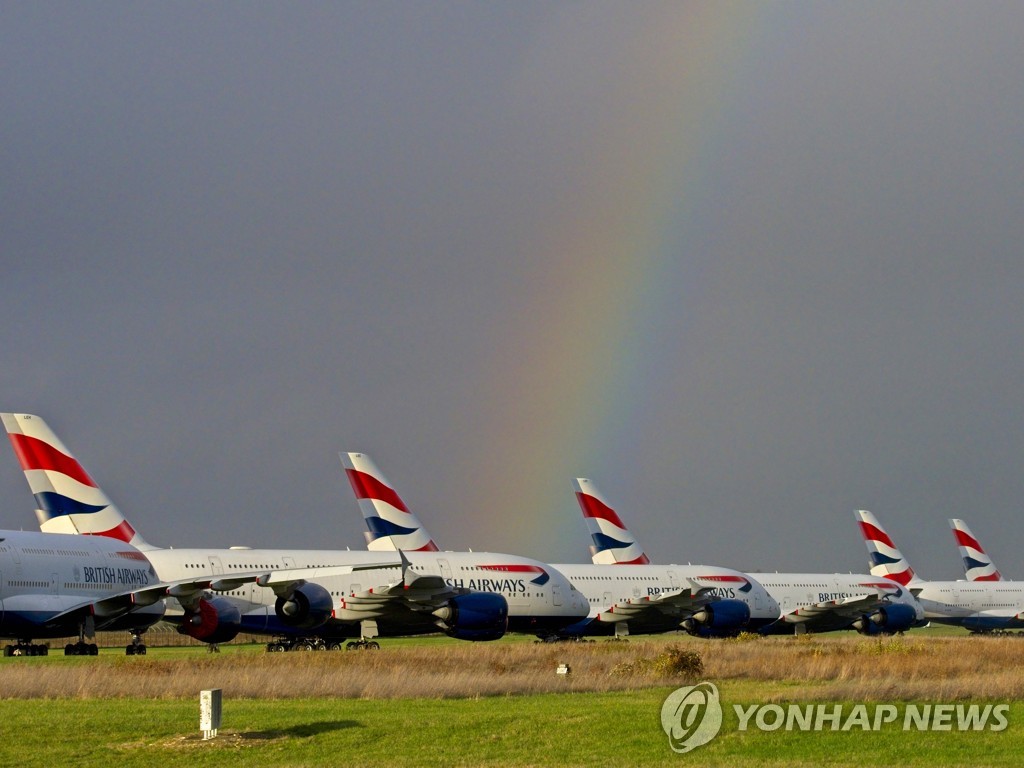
(446, 569)
(556, 595)
(673, 579)
(288, 561)
(215, 566)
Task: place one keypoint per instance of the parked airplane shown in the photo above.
(979, 606)
(808, 602)
(306, 612)
(704, 600)
(978, 566)
(393, 527)
(52, 586)
(316, 610)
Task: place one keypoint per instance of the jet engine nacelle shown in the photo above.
(888, 618)
(307, 607)
(722, 617)
(476, 616)
(213, 620)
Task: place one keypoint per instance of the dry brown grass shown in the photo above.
(877, 669)
(818, 668)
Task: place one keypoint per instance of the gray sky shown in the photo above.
(748, 267)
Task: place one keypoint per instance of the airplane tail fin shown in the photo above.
(977, 564)
(613, 543)
(884, 556)
(391, 525)
(67, 499)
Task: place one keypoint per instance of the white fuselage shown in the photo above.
(801, 590)
(43, 575)
(604, 585)
(976, 605)
(538, 596)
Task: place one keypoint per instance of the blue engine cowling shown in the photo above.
(307, 607)
(476, 616)
(214, 620)
(897, 617)
(719, 619)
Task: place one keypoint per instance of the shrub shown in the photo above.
(673, 662)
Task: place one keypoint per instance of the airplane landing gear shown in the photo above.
(282, 644)
(25, 647)
(362, 645)
(137, 648)
(82, 648)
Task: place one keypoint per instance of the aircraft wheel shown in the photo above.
(334, 646)
(373, 645)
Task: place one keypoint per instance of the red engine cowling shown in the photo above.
(214, 620)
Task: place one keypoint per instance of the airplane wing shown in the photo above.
(282, 582)
(413, 594)
(279, 582)
(677, 603)
(835, 613)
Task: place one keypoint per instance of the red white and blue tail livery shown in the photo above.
(884, 556)
(980, 605)
(613, 544)
(67, 499)
(977, 564)
(391, 525)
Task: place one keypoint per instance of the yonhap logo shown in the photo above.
(691, 716)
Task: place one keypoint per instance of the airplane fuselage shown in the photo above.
(605, 585)
(539, 597)
(975, 605)
(792, 591)
(45, 575)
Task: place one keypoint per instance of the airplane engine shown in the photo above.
(307, 607)
(889, 618)
(476, 616)
(718, 619)
(214, 620)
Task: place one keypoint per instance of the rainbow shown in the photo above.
(606, 264)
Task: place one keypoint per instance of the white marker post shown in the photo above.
(209, 712)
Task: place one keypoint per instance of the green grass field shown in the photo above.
(591, 729)
(603, 727)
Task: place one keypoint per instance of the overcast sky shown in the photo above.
(748, 267)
